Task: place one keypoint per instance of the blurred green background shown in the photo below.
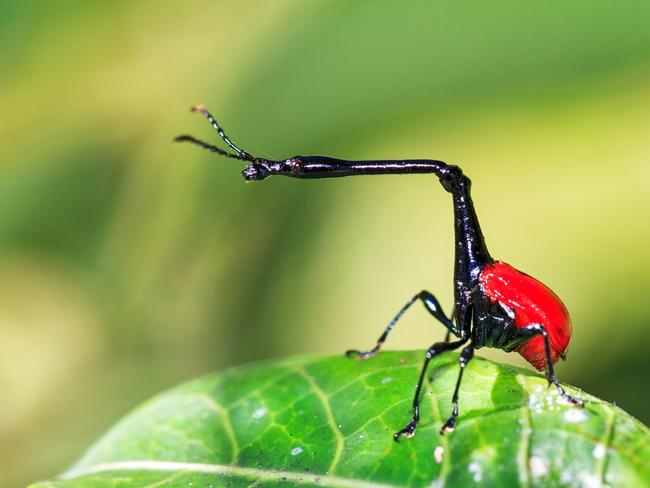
(130, 264)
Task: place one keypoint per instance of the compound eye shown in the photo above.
(254, 172)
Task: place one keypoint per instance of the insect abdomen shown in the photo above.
(532, 302)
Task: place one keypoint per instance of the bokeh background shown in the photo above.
(129, 264)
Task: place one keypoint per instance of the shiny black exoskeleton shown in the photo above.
(481, 320)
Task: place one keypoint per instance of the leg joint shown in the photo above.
(436, 349)
(466, 355)
(539, 328)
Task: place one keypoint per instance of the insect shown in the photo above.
(495, 305)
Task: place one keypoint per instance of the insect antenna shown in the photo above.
(241, 154)
(205, 145)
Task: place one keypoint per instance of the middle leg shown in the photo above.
(465, 357)
(436, 349)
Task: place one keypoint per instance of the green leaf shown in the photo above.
(328, 421)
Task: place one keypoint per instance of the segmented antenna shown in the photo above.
(240, 153)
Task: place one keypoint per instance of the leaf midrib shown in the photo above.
(219, 469)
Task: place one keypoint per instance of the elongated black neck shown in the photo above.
(324, 167)
(471, 251)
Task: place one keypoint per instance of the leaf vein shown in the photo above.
(524, 446)
(364, 376)
(225, 416)
(165, 481)
(223, 470)
(340, 440)
(444, 442)
(607, 441)
(375, 417)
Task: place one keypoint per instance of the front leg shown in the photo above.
(432, 305)
(453, 316)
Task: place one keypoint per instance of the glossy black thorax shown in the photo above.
(493, 323)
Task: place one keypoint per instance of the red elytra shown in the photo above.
(532, 303)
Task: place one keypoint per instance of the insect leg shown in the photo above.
(433, 307)
(465, 357)
(434, 350)
(448, 334)
(526, 333)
